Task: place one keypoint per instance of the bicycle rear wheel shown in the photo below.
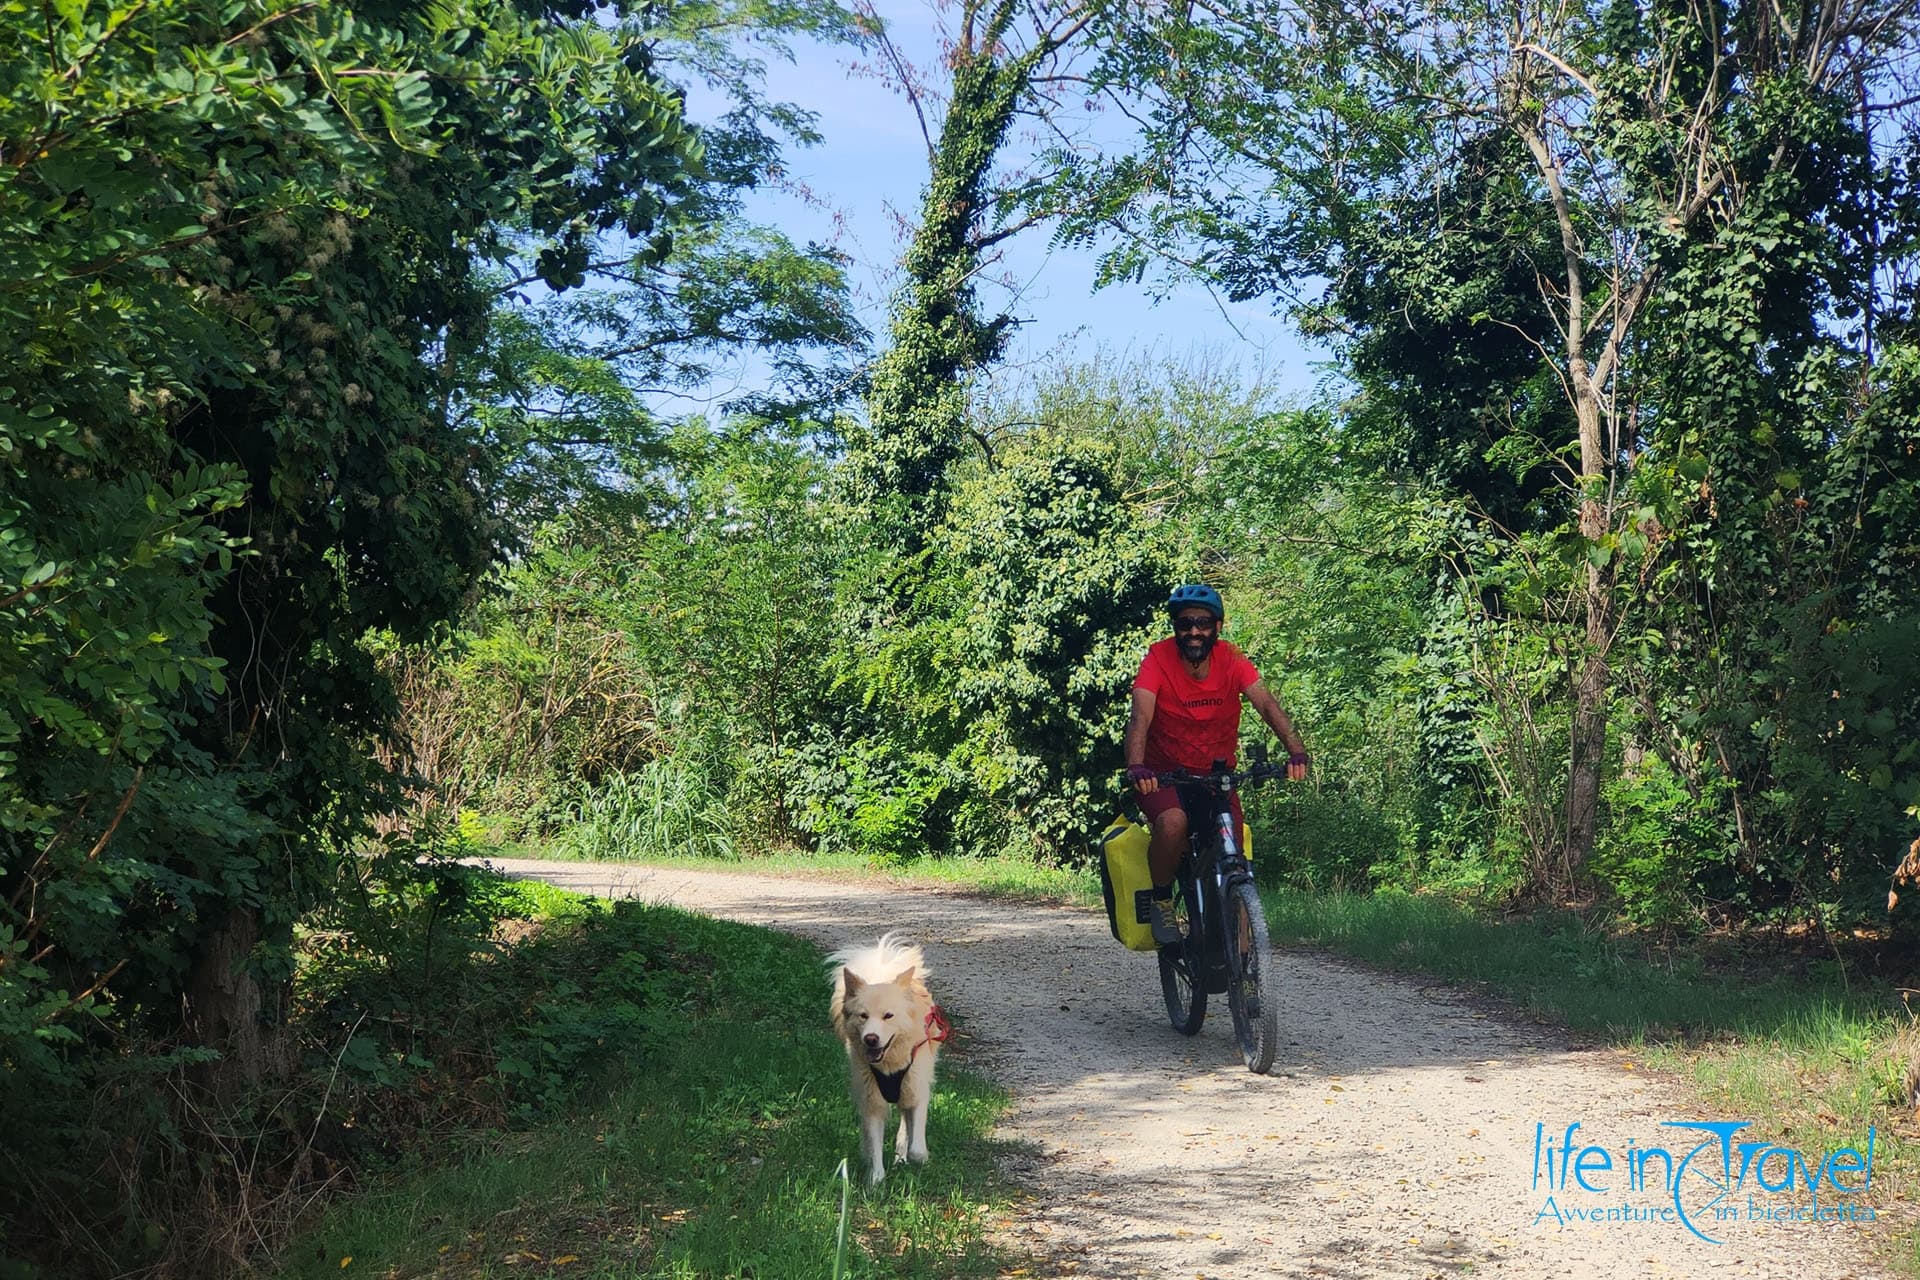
(1180, 981)
(1250, 993)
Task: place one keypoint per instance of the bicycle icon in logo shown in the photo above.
(1701, 1191)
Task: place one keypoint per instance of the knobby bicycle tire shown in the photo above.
(1180, 981)
(1251, 993)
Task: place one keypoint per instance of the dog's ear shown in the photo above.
(851, 981)
(904, 978)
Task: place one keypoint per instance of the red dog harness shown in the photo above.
(938, 1030)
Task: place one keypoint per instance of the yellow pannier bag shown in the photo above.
(1126, 880)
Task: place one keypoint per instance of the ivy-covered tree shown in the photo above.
(1002, 59)
(1021, 577)
(1779, 679)
(1056, 578)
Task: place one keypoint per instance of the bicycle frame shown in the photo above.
(1218, 865)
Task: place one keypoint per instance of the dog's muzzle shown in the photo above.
(875, 1049)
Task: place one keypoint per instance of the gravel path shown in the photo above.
(1395, 1138)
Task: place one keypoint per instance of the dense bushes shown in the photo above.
(811, 688)
(429, 999)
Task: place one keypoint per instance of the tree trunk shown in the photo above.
(1586, 384)
(1589, 739)
(226, 1007)
(1588, 745)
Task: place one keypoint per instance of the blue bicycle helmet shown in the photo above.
(1194, 595)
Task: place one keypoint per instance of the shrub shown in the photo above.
(663, 808)
(1659, 837)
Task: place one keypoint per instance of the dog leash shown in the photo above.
(938, 1030)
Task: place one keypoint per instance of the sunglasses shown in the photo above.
(1206, 623)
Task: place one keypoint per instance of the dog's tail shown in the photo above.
(884, 961)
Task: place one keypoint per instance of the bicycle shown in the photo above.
(1224, 947)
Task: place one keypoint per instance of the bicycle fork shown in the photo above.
(1222, 872)
(1218, 867)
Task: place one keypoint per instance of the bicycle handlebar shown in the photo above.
(1236, 778)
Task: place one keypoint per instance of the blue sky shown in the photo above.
(868, 174)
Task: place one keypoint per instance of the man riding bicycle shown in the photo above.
(1186, 716)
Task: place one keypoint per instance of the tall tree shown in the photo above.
(1443, 154)
(1004, 57)
(991, 700)
(240, 249)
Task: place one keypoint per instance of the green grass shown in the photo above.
(1584, 977)
(708, 1148)
(658, 807)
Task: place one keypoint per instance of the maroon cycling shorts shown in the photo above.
(1165, 797)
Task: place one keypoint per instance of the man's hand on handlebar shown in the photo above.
(1297, 763)
(1144, 780)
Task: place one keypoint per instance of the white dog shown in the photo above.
(886, 1017)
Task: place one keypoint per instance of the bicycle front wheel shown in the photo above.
(1180, 980)
(1250, 990)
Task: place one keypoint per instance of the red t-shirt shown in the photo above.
(1195, 722)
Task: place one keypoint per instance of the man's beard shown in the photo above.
(1195, 647)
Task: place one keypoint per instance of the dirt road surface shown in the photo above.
(1396, 1136)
